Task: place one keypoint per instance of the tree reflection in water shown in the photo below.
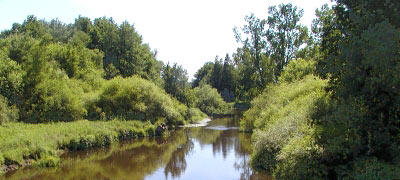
(187, 154)
(177, 164)
(223, 141)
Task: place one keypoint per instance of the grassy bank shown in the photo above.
(301, 132)
(41, 144)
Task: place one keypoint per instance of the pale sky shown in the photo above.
(188, 32)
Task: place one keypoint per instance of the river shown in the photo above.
(215, 151)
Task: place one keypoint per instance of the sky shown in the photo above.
(187, 32)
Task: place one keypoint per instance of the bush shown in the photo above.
(210, 101)
(56, 100)
(297, 69)
(372, 168)
(7, 113)
(11, 75)
(284, 138)
(139, 99)
(270, 105)
(195, 115)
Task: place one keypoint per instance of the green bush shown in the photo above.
(210, 101)
(372, 168)
(195, 115)
(297, 69)
(284, 139)
(139, 99)
(268, 106)
(56, 100)
(11, 75)
(300, 132)
(7, 113)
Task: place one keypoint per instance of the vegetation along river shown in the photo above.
(215, 151)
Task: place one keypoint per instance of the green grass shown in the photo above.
(44, 143)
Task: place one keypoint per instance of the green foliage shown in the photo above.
(77, 62)
(11, 77)
(56, 100)
(175, 81)
(296, 70)
(111, 71)
(372, 168)
(209, 101)
(203, 75)
(122, 46)
(221, 75)
(266, 106)
(254, 65)
(43, 143)
(54, 72)
(360, 55)
(195, 115)
(285, 35)
(139, 99)
(284, 138)
(7, 113)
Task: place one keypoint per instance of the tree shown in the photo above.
(285, 35)
(229, 78)
(105, 36)
(255, 43)
(175, 81)
(362, 50)
(83, 24)
(323, 21)
(203, 75)
(216, 74)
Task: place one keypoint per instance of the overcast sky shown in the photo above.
(188, 32)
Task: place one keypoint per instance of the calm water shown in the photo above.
(216, 151)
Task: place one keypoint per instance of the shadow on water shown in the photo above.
(216, 151)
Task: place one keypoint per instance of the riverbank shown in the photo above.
(201, 123)
(42, 144)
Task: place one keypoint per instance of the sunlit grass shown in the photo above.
(43, 143)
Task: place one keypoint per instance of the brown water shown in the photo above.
(216, 151)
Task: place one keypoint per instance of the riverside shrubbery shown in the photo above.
(208, 100)
(136, 98)
(301, 132)
(53, 75)
(52, 81)
(43, 143)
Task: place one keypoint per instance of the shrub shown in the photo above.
(210, 101)
(372, 168)
(136, 98)
(56, 100)
(297, 69)
(7, 113)
(11, 75)
(284, 138)
(195, 115)
(268, 106)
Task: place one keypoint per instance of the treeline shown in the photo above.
(267, 46)
(335, 113)
(96, 70)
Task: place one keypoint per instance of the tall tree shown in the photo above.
(255, 41)
(203, 75)
(362, 50)
(285, 34)
(175, 81)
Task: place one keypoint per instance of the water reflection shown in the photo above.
(217, 151)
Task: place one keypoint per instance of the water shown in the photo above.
(216, 151)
